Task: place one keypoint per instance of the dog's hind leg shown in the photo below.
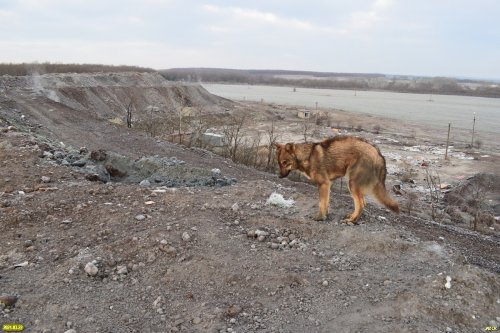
(359, 202)
(324, 201)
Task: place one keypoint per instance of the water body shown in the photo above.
(434, 110)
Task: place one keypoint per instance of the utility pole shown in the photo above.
(447, 142)
(473, 127)
(180, 125)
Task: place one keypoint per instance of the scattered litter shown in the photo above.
(23, 264)
(414, 149)
(277, 199)
(397, 189)
(448, 282)
(149, 203)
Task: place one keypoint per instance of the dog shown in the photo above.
(325, 161)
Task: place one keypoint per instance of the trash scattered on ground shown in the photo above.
(277, 199)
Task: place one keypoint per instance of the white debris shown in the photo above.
(448, 282)
(23, 264)
(277, 199)
(186, 237)
(145, 183)
(259, 233)
(215, 171)
(91, 269)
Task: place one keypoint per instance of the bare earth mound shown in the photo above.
(90, 256)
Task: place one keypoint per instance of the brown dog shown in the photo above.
(325, 161)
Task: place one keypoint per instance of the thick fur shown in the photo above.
(322, 162)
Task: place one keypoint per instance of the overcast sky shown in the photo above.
(458, 38)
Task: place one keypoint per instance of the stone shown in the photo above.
(91, 269)
(140, 217)
(121, 269)
(186, 237)
(145, 183)
(261, 233)
(46, 179)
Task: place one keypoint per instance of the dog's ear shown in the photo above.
(290, 147)
(278, 146)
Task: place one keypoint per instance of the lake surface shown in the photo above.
(435, 110)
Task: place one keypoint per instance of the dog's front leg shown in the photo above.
(324, 201)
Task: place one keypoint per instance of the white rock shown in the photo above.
(121, 269)
(261, 233)
(235, 207)
(91, 269)
(140, 217)
(23, 264)
(157, 302)
(277, 199)
(186, 237)
(448, 282)
(45, 179)
(145, 183)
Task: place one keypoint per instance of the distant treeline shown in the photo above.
(351, 81)
(46, 67)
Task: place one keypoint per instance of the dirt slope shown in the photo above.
(93, 257)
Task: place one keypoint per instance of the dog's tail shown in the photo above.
(380, 193)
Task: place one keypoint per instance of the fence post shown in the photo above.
(447, 142)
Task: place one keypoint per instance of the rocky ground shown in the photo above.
(182, 240)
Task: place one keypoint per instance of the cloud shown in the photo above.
(251, 15)
(7, 14)
(369, 18)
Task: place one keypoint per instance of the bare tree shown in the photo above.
(129, 115)
(152, 122)
(233, 131)
(411, 200)
(433, 183)
(198, 124)
(307, 129)
(478, 191)
(272, 139)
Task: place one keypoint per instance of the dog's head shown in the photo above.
(286, 157)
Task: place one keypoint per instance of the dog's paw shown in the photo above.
(348, 221)
(319, 217)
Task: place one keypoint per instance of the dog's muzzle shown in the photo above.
(281, 175)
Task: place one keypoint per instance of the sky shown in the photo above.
(457, 38)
